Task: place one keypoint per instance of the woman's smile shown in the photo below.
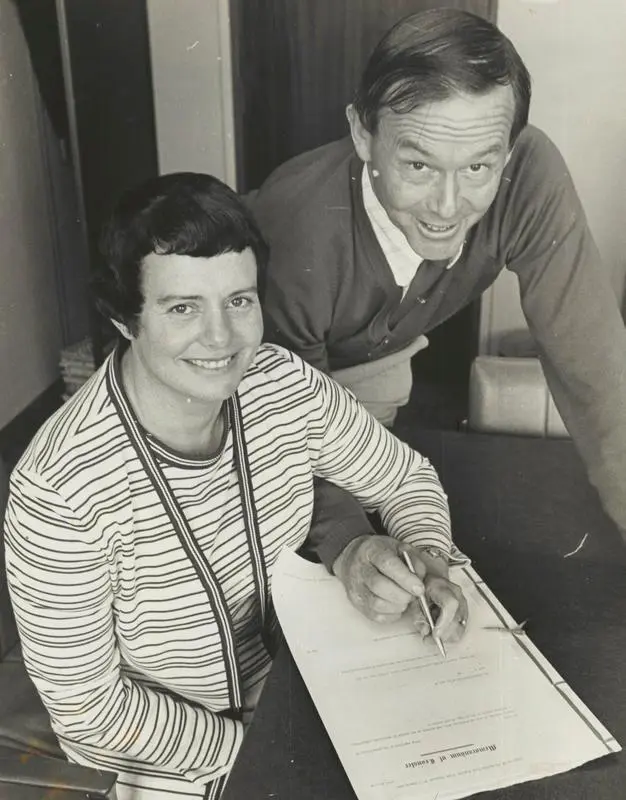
(209, 364)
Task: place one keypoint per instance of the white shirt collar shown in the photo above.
(402, 259)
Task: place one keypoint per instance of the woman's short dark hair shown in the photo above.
(428, 56)
(184, 213)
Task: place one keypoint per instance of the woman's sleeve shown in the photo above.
(61, 590)
(385, 475)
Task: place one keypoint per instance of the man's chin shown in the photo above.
(435, 247)
(437, 251)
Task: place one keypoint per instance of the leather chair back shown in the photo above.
(8, 630)
(32, 765)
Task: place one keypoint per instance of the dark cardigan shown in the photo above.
(331, 296)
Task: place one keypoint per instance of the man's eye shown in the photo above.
(418, 166)
(180, 308)
(476, 169)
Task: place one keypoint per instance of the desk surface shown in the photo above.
(518, 506)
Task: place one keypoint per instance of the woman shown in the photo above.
(146, 514)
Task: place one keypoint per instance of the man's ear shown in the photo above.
(123, 329)
(361, 137)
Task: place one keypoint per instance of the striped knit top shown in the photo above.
(118, 632)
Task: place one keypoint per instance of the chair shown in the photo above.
(508, 392)
(32, 765)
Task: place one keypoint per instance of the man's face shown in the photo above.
(439, 166)
(200, 325)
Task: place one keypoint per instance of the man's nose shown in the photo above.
(215, 328)
(446, 197)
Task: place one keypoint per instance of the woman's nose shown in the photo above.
(215, 329)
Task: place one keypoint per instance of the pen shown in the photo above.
(517, 630)
(424, 607)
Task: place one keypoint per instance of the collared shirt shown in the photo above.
(402, 259)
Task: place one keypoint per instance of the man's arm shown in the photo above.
(575, 319)
(338, 519)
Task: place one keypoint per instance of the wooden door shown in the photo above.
(296, 64)
(108, 85)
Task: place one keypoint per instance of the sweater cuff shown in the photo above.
(230, 740)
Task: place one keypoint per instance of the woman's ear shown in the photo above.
(361, 138)
(123, 329)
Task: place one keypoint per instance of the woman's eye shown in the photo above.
(180, 308)
(241, 301)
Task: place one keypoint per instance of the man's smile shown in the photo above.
(437, 231)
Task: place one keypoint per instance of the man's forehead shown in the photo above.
(460, 118)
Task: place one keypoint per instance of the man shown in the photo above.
(377, 239)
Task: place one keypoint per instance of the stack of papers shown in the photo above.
(407, 724)
(77, 365)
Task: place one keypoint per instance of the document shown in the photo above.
(409, 725)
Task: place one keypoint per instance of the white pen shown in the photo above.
(425, 609)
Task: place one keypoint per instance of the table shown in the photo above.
(518, 507)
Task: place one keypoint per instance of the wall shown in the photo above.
(191, 74)
(575, 52)
(30, 328)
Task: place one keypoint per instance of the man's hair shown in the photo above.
(184, 213)
(431, 55)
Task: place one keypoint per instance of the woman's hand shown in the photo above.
(448, 609)
(446, 601)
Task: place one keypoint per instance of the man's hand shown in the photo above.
(381, 586)
(376, 579)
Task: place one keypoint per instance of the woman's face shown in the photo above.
(200, 325)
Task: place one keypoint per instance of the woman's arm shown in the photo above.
(61, 589)
(386, 476)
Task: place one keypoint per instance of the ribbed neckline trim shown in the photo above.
(161, 450)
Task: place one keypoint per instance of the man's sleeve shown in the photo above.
(301, 279)
(338, 518)
(573, 314)
(297, 307)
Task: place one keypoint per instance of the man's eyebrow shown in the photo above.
(177, 298)
(411, 144)
(494, 150)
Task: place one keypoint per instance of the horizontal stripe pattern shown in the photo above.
(117, 630)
